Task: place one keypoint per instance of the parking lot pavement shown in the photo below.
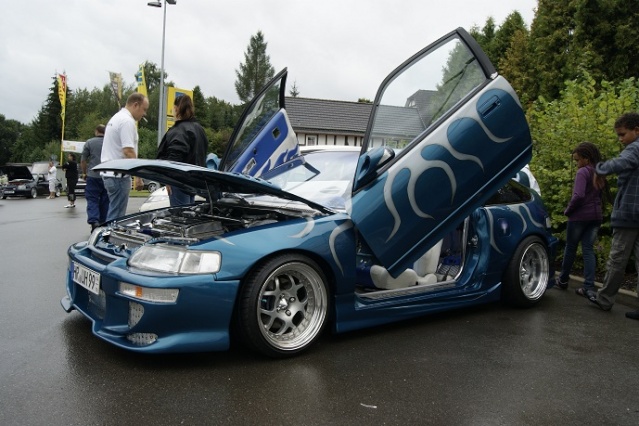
(562, 362)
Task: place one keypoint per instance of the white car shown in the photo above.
(160, 199)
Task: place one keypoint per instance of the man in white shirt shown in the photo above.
(121, 141)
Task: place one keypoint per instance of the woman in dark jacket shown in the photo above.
(71, 174)
(185, 142)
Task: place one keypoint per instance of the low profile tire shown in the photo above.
(152, 187)
(526, 277)
(283, 306)
(34, 193)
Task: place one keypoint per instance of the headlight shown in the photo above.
(175, 260)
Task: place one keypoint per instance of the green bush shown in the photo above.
(585, 111)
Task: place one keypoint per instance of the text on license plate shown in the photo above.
(86, 278)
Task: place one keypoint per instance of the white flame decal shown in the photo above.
(331, 241)
(310, 224)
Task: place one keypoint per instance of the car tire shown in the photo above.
(283, 306)
(526, 277)
(34, 193)
(152, 187)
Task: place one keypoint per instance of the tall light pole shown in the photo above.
(161, 111)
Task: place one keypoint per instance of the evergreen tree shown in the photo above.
(516, 63)
(551, 36)
(256, 70)
(506, 47)
(504, 37)
(201, 107)
(294, 92)
(605, 39)
(486, 39)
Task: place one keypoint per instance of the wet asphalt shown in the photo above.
(563, 362)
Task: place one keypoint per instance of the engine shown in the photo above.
(190, 223)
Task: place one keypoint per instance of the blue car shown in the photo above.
(423, 218)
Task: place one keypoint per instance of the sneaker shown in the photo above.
(560, 284)
(69, 206)
(633, 314)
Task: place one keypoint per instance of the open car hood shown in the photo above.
(200, 180)
(16, 172)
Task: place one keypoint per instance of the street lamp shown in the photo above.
(161, 112)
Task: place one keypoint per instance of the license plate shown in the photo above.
(86, 278)
(8, 191)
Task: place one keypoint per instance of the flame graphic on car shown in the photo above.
(522, 211)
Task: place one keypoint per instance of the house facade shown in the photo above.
(328, 122)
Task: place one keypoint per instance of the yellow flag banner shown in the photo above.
(116, 85)
(141, 80)
(62, 93)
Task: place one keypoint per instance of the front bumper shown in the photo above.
(197, 321)
(13, 192)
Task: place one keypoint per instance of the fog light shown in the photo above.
(142, 339)
(135, 313)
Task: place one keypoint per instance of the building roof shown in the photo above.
(328, 116)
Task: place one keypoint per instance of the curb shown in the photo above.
(624, 297)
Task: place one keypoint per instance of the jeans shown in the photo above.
(586, 233)
(97, 200)
(624, 241)
(118, 190)
(178, 197)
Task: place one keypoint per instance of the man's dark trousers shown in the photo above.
(97, 200)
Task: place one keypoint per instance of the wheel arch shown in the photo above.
(321, 262)
(238, 327)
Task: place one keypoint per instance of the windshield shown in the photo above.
(324, 177)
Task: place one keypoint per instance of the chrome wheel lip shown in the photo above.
(286, 306)
(534, 271)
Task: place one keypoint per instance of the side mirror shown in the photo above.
(370, 163)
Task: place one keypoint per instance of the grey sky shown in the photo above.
(334, 49)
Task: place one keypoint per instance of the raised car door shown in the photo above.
(263, 137)
(458, 132)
